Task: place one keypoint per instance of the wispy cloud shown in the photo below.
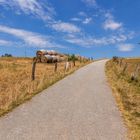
(126, 47)
(65, 27)
(87, 20)
(81, 13)
(30, 7)
(83, 18)
(110, 23)
(75, 19)
(77, 35)
(42, 10)
(30, 38)
(90, 2)
(90, 41)
(5, 42)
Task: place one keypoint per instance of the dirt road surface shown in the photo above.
(79, 107)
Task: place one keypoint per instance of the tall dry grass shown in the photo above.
(16, 85)
(127, 93)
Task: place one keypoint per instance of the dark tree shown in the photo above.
(7, 55)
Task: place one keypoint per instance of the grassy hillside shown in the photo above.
(126, 89)
(16, 85)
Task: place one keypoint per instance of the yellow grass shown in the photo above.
(16, 85)
(127, 94)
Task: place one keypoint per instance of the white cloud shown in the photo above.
(30, 38)
(40, 10)
(87, 20)
(90, 2)
(65, 27)
(108, 15)
(112, 25)
(30, 7)
(125, 47)
(46, 12)
(91, 41)
(82, 14)
(88, 42)
(75, 19)
(5, 42)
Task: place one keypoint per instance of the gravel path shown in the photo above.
(79, 107)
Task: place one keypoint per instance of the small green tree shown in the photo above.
(72, 58)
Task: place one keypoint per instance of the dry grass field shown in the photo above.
(16, 85)
(127, 93)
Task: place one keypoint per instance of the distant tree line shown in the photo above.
(7, 55)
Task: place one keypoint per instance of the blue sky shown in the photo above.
(92, 28)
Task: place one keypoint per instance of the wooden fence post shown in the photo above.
(33, 70)
(80, 59)
(134, 75)
(74, 63)
(125, 67)
(70, 65)
(55, 68)
(120, 62)
(66, 66)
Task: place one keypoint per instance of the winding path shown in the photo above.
(79, 107)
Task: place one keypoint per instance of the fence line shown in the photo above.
(124, 67)
(67, 67)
